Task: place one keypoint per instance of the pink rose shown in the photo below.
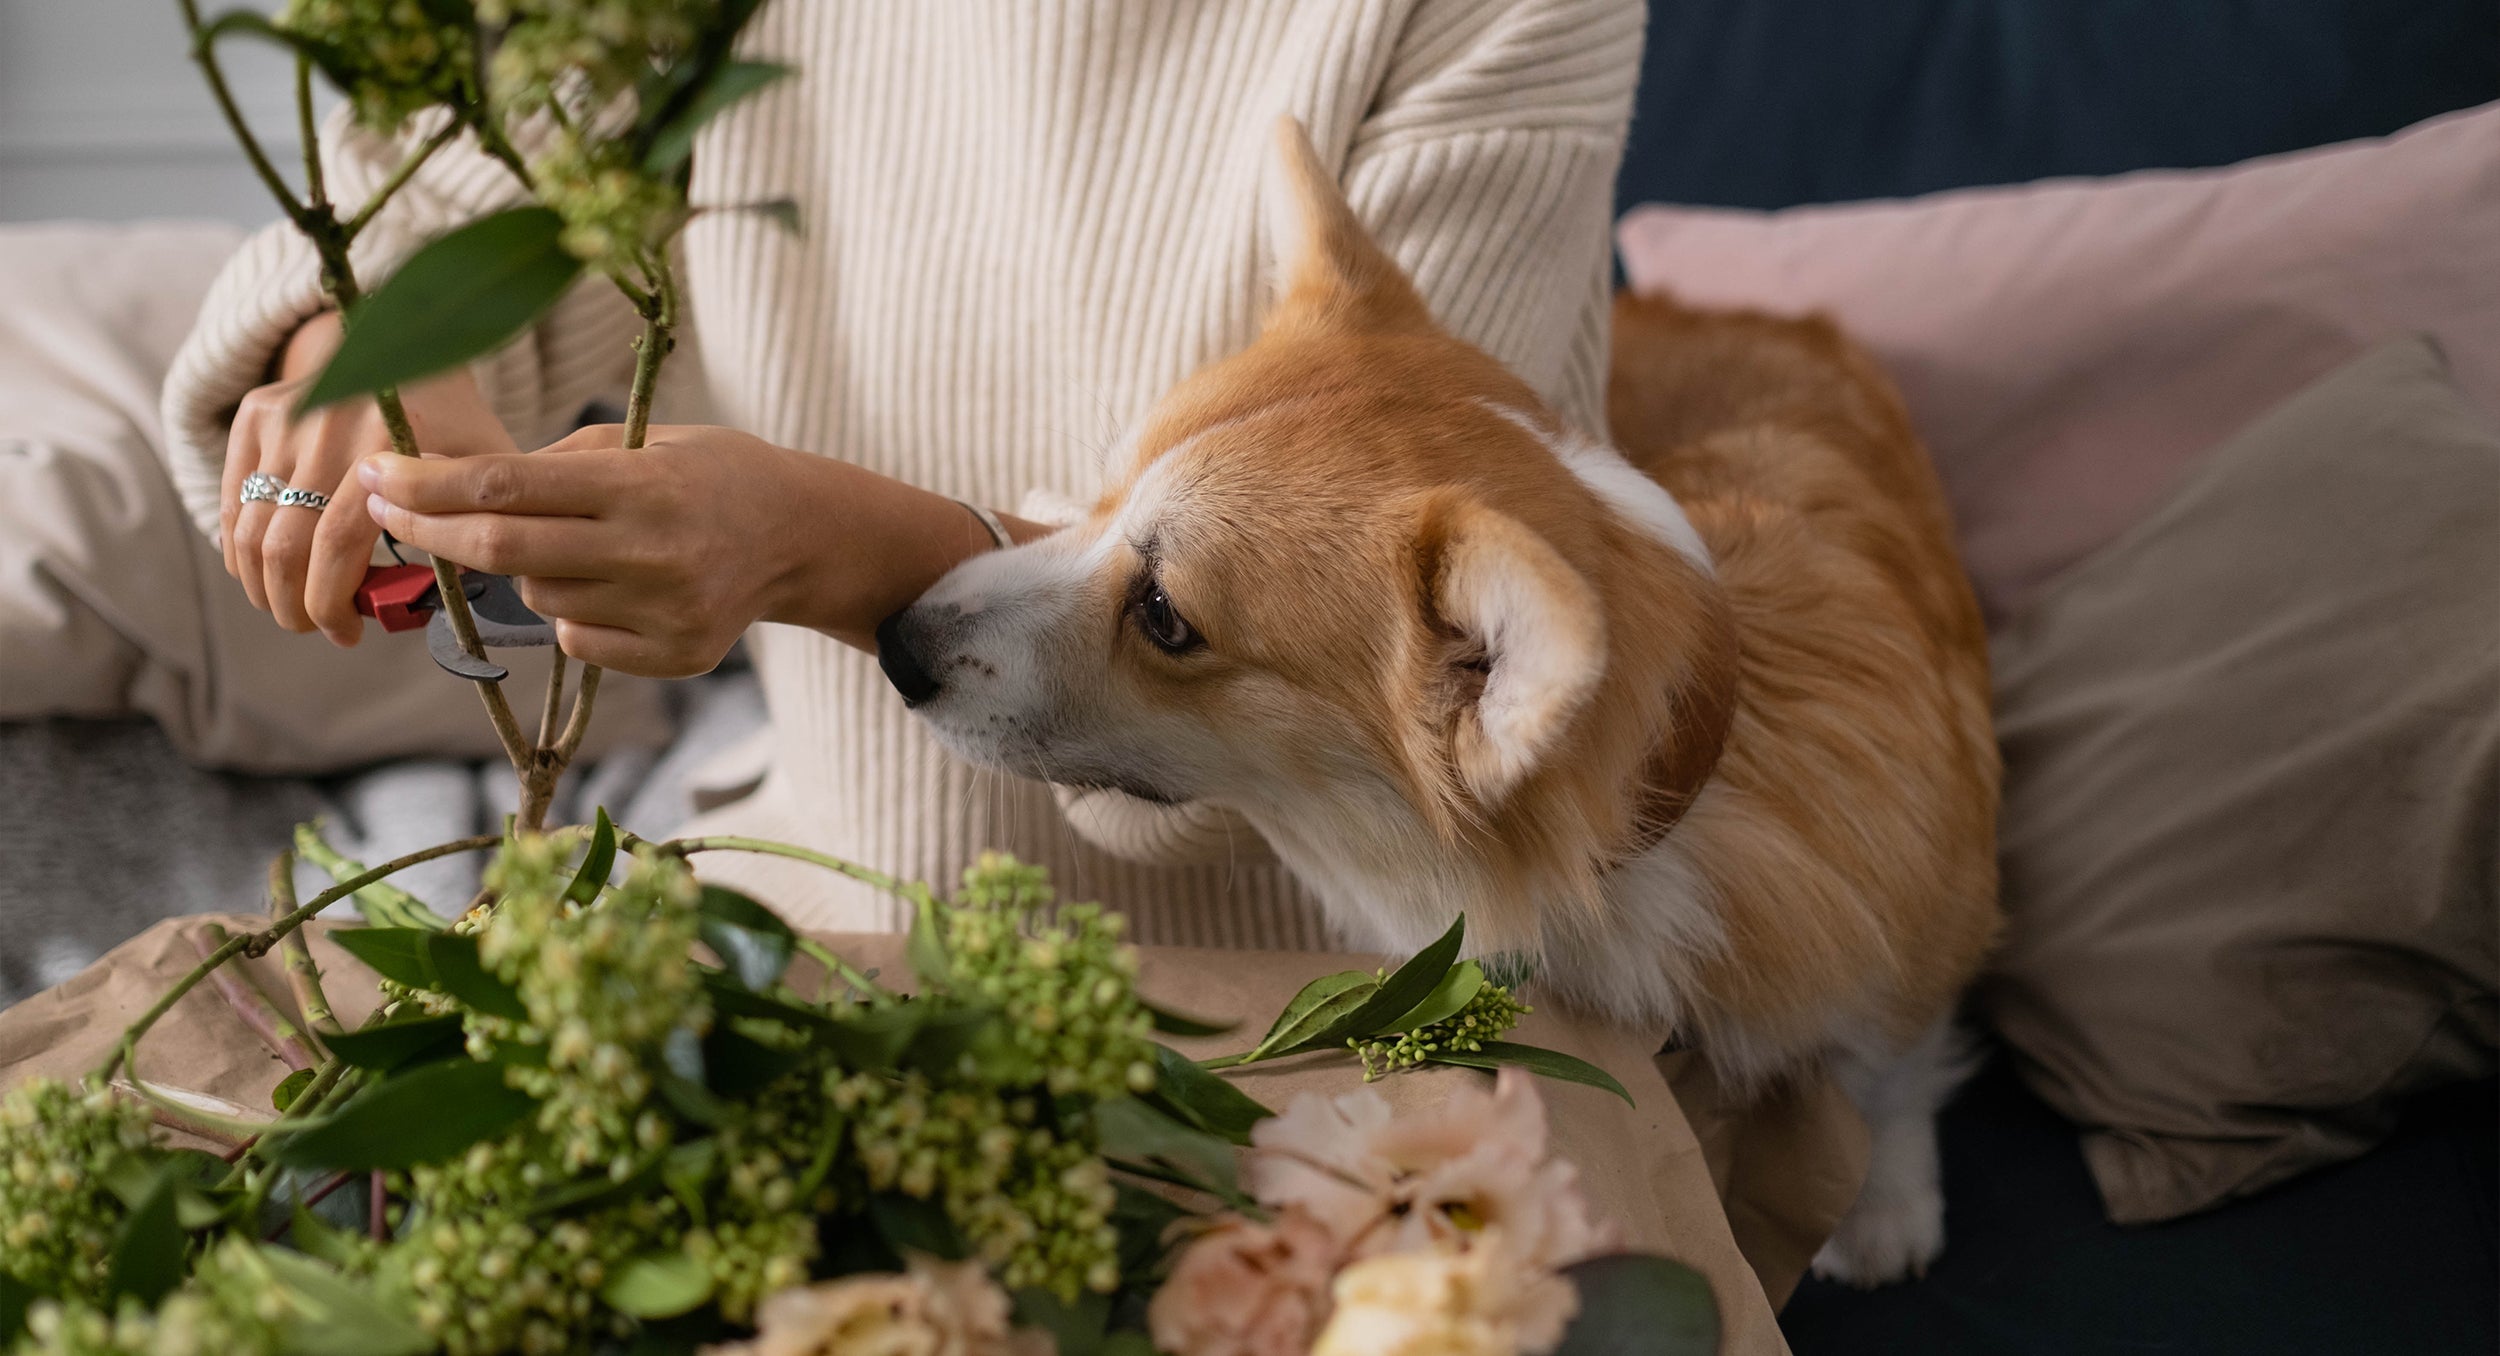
(1246, 1289)
(1436, 1179)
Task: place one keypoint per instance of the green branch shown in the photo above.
(258, 943)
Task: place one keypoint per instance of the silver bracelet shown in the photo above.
(998, 530)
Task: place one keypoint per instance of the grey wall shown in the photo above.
(103, 116)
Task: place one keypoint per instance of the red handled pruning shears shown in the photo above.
(404, 597)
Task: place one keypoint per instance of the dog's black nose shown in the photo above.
(903, 668)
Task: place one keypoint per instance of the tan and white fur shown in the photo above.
(1701, 724)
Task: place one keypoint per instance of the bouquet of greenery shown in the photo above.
(613, 1108)
(620, 1110)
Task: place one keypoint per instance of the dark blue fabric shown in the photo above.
(2396, 1253)
(1770, 103)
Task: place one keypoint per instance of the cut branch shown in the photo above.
(258, 942)
(204, 55)
(275, 1029)
(301, 975)
(399, 178)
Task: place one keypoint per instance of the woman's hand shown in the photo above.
(299, 564)
(655, 561)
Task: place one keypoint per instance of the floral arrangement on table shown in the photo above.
(606, 1114)
(612, 1108)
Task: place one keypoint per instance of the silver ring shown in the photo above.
(260, 487)
(295, 498)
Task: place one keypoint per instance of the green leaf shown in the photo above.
(954, 1042)
(134, 1177)
(289, 1088)
(682, 1052)
(1144, 1220)
(1407, 986)
(1172, 1022)
(684, 1084)
(1315, 1009)
(316, 1237)
(926, 946)
(1204, 1099)
(1075, 1329)
(1632, 1304)
(686, 1169)
(425, 1115)
(385, 1046)
(874, 1039)
(694, 1101)
(1536, 1059)
(452, 963)
(441, 962)
(331, 1315)
(673, 141)
(751, 940)
(456, 299)
(16, 1297)
(1131, 1129)
(596, 863)
(732, 999)
(382, 903)
(740, 1066)
(1463, 982)
(1127, 1343)
(147, 1250)
(396, 954)
(908, 1223)
(658, 1285)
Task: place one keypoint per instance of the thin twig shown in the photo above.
(316, 190)
(204, 55)
(554, 709)
(651, 348)
(275, 1029)
(447, 575)
(301, 974)
(681, 847)
(842, 969)
(338, 278)
(407, 170)
(240, 943)
(190, 1121)
(579, 725)
(377, 1208)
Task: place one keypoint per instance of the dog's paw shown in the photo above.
(1886, 1237)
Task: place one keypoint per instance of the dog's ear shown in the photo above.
(1328, 269)
(1533, 639)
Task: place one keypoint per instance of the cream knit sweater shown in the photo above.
(1024, 220)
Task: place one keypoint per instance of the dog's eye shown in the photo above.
(1162, 623)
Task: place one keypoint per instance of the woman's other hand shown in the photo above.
(655, 561)
(303, 565)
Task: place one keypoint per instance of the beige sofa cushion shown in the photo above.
(2252, 797)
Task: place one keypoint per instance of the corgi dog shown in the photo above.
(1698, 722)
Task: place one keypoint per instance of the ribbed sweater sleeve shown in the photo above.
(273, 285)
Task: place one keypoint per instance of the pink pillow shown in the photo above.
(2068, 347)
